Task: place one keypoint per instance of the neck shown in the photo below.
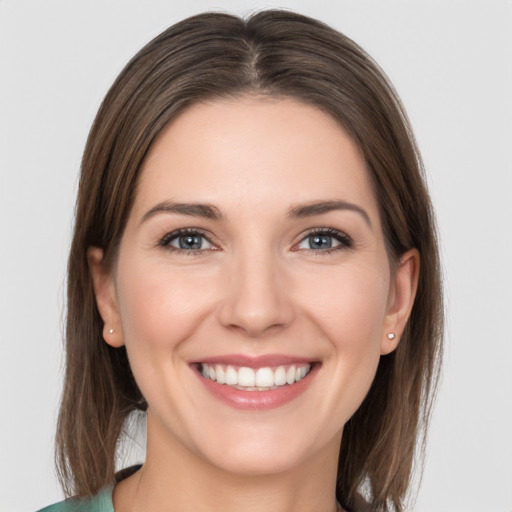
(174, 478)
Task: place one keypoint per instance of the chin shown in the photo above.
(261, 452)
(262, 461)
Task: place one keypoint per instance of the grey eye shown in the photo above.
(190, 242)
(318, 241)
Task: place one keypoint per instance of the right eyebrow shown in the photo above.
(321, 207)
(204, 210)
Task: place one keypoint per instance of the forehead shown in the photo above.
(254, 152)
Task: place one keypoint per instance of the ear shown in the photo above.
(401, 299)
(106, 298)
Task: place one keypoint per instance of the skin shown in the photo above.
(256, 287)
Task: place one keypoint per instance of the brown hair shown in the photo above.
(273, 53)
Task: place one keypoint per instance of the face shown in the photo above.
(252, 288)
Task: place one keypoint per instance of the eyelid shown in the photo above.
(345, 241)
(164, 241)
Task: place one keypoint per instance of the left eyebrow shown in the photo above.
(207, 211)
(320, 207)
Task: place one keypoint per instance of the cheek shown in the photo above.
(350, 304)
(159, 308)
(349, 309)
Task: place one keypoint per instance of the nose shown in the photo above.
(256, 300)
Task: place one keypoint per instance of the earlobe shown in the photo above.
(401, 300)
(106, 299)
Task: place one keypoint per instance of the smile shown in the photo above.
(256, 383)
(255, 379)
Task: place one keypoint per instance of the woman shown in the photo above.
(255, 265)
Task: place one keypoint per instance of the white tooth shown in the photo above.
(231, 376)
(290, 374)
(264, 378)
(280, 376)
(246, 377)
(221, 375)
(261, 379)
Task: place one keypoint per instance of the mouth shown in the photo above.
(265, 378)
(258, 383)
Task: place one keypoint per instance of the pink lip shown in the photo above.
(257, 400)
(271, 360)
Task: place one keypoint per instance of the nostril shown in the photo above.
(255, 319)
(256, 299)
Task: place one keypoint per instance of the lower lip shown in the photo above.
(258, 400)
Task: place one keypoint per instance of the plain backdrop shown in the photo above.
(451, 62)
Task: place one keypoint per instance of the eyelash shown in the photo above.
(165, 242)
(345, 241)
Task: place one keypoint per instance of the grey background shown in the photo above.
(451, 63)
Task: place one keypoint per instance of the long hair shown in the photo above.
(277, 54)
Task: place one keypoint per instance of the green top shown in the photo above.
(101, 502)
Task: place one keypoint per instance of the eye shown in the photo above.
(325, 240)
(187, 240)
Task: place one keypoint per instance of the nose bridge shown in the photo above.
(255, 298)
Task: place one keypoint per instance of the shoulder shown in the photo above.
(101, 502)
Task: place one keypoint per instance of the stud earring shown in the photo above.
(391, 336)
(111, 331)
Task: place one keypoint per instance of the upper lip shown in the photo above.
(254, 361)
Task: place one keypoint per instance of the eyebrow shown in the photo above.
(207, 211)
(320, 207)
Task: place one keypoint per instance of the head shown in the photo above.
(214, 59)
